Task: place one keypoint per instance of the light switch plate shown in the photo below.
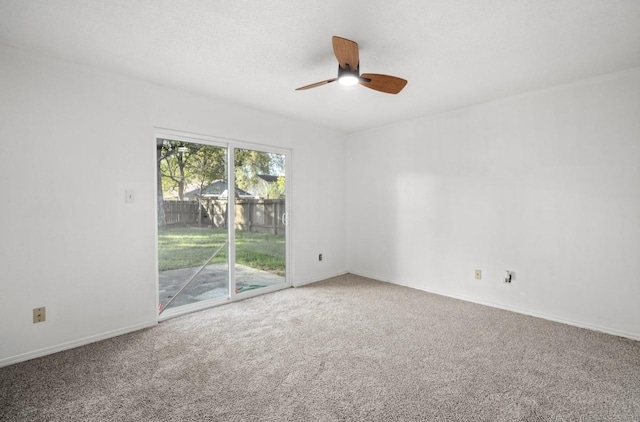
(129, 196)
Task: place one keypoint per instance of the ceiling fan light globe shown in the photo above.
(348, 80)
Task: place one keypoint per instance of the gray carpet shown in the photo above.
(348, 348)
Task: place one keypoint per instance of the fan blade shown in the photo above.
(382, 83)
(328, 81)
(346, 52)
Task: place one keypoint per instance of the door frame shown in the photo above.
(230, 145)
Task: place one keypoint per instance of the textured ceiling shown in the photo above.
(454, 53)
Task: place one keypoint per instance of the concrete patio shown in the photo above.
(211, 283)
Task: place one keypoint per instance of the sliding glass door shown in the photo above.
(222, 222)
(260, 223)
(193, 237)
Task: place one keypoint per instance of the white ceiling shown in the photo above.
(454, 53)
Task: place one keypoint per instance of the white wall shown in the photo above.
(545, 184)
(72, 139)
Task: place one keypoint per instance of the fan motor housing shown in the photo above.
(348, 72)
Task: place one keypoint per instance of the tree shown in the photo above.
(208, 164)
(248, 165)
(276, 190)
(174, 157)
(159, 193)
(182, 164)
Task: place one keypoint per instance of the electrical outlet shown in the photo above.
(320, 257)
(39, 315)
(508, 276)
(478, 274)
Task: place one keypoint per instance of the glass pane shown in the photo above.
(259, 219)
(192, 222)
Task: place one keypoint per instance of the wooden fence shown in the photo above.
(257, 215)
(180, 212)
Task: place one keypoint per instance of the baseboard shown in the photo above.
(518, 310)
(304, 283)
(72, 344)
(103, 336)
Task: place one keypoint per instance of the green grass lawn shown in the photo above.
(183, 247)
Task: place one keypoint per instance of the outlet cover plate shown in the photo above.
(39, 315)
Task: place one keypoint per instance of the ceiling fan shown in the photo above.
(346, 52)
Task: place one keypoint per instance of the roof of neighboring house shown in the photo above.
(268, 178)
(215, 189)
